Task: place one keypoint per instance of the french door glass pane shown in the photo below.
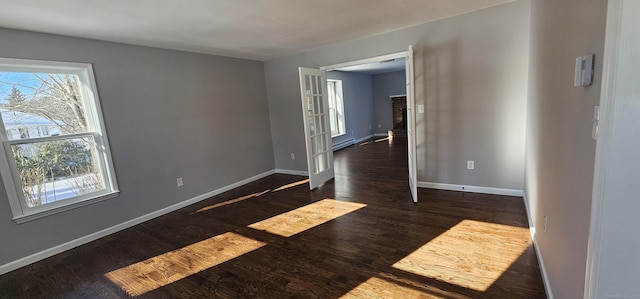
(312, 126)
(314, 145)
(320, 105)
(320, 123)
(320, 145)
(314, 84)
(307, 80)
(317, 108)
(325, 142)
(321, 163)
(55, 170)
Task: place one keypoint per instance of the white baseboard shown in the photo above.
(8, 267)
(293, 172)
(473, 189)
(343, 144)
(532, 226)
(363, 139)
(543, 268)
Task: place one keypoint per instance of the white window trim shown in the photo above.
(338, 90)
(96, 127)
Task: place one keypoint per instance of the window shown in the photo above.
(336, 107)
(55, 154)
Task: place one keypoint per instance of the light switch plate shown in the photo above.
(584, 70)
(420, 108)
(595, 121)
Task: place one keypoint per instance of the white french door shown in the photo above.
(317, 130)
(411, 126)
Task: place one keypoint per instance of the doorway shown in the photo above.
(381, 121)
(399, 115)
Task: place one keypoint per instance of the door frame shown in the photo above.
(410, 106)
(604, 172)
(374, 59)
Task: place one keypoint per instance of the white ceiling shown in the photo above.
(252, 29)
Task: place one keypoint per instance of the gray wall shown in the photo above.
(616, 215)
(471, 75)
(358, 108)
(385, 85)
(168, 114)
(560, 150)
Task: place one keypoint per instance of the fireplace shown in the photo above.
(399, 110)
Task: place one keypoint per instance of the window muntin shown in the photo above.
(53, 143)
(336, 107)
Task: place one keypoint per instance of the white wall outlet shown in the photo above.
(293, 156)
(471, 164)
(180, 182)
(420, 108)
(379, 126)
(369, 127)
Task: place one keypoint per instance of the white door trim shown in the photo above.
(402, 54)
(411, 126)
(607, 102)
(397, 55)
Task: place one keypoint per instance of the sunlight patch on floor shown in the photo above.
(228, 202)
(161, 270)
(472, 254)
(304, 218)
(375, 287)
(291, 185)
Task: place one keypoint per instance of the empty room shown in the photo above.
(319, 149)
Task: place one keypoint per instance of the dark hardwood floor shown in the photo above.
(358, 236)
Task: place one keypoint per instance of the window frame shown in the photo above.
(335, 98)
(95, 128)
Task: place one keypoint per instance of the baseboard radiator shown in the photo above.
(343, 144)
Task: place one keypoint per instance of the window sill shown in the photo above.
(37, 215)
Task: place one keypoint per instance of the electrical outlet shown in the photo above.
(471, 164)
(369, 127)
(293, 156)
(545, 222)
(379, 126)
(180, 182)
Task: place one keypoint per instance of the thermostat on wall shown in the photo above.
(584, 70)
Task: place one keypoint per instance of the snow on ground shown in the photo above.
(60, 189)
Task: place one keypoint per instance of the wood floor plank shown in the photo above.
(357, 236)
